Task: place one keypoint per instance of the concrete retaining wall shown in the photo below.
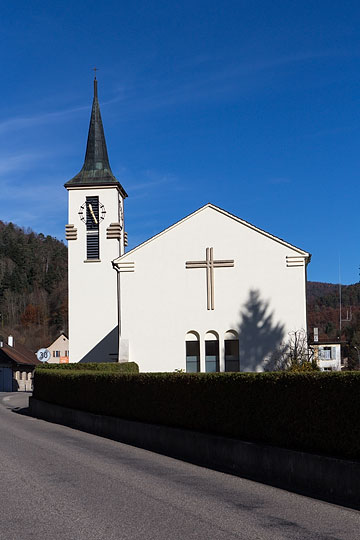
(331, 479)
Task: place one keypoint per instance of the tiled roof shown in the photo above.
(19, 355)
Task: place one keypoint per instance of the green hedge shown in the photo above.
(125, 367)
(317, 412)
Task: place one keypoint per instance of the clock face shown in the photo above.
(85, 208)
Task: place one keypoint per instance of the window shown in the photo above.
(232, 355)
(57, 354)
(66, 353)
(53, 354)
(211, 356)
(325, 353)
(192, 347)
(211, 352)
(231, 346)
(192, 356)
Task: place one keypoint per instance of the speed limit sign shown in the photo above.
(43, 355)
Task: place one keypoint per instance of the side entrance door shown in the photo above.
(5, 379)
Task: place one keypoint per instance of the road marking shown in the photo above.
(6, 398)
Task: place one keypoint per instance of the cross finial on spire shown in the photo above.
(95, 69)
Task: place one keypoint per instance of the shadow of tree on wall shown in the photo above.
(261, 339)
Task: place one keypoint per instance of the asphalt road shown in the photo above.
(61, 484)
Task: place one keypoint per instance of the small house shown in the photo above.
(327, 355)
(59, 350)
(17, 366)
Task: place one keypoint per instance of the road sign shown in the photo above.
(43, 355)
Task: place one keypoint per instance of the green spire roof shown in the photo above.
(96, 170)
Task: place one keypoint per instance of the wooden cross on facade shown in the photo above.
(210, 264)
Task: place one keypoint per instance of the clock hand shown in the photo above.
(92, 213)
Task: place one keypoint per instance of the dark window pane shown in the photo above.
(192, 348)
(232, 355)
(211, 356)
(192, 356)
(212, 348)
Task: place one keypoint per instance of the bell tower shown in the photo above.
(95, 234)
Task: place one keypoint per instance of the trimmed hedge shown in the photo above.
(316, 412)
(125, 367)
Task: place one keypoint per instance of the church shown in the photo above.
(210, 293)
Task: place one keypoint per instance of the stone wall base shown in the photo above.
(323, 477)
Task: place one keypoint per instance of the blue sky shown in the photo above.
(251, 105)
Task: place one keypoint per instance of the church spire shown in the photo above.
(96, 169)
(96, 156)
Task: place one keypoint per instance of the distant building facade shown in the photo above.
(327, 355)
(59, 350)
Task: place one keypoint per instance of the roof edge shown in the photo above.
(68, 185)
(306, 254)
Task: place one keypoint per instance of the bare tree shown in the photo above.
(293, 355)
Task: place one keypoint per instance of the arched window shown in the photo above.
(231, 343)
(192, 352)
(211, 352)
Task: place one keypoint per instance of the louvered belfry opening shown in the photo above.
(92, 228)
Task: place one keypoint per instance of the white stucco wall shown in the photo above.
(162, 300)
(93, 285)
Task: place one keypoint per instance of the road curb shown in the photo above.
(331, 479)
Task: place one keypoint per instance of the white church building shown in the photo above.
(210, 293)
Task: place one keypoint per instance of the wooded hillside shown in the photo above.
(323, 306)
(33, 286)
